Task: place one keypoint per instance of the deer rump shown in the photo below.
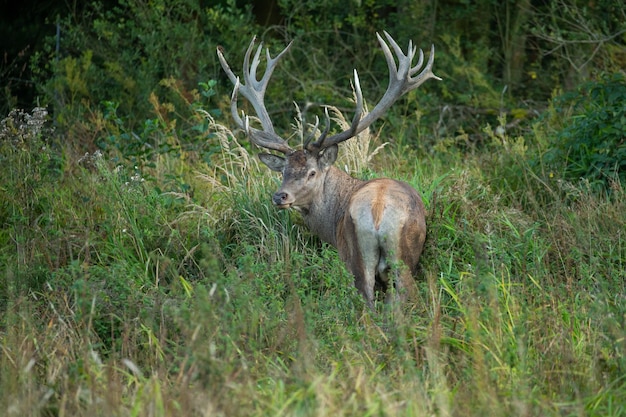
(380, 240)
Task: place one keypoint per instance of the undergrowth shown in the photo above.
(122, 294)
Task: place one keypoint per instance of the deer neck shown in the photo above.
(327, 210)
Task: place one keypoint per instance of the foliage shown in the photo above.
(144, 271)
(180, 130)
(119, 298)
(580, 39)
(591, 139)
(33, 166)
(127, 54)
(495, 57)
(84, 230)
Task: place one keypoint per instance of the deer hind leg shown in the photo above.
(392, 273)
(359, 264)
(404, 286)
(363, 265)
(365, 285)
(370, 256)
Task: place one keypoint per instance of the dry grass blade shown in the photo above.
(355, 155)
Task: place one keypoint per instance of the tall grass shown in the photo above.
(119, 297)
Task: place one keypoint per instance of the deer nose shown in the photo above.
(280, 198)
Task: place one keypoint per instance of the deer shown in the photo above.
(377, 226)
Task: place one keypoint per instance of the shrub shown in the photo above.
(131, 53)
(591, 142)
(32, 167)
(176, 128)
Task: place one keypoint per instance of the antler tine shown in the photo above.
(258, 87)
(322, 141)
(427, 73)
(319, 144)
(311, 134)
(254, 91)
(405, 70)
(250, 69)
(420, 61)
(402, 79)
(233, 104)
(327, 127)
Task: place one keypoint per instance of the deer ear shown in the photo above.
(328, 156)
(274, 162)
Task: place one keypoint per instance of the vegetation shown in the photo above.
(592, 143)
(144, 272)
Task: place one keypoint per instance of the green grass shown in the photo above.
(119, 296)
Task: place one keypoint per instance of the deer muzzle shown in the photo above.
(282, 199)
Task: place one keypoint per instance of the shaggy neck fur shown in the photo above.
(323, 216)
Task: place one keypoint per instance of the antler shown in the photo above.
(254, 91)
(402, 79)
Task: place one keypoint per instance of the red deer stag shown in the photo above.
(377, 226)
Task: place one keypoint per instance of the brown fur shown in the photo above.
(378, 205)
(377, 226)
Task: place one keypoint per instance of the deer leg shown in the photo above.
(365, 285)
(364, 270)
(363, 267)
(364, 278)
(396, 276)
(400, 286)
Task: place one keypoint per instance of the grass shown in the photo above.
(119, 297)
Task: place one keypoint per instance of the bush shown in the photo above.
(32, 169)
(591, 142)
(132, 55)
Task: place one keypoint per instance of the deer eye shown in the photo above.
(311, 174)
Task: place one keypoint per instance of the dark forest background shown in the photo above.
(503, 62)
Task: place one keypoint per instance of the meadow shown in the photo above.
(124, 295)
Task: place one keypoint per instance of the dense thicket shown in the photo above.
(125, 62)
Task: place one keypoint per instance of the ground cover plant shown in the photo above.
(144, 271)
(119, 298)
